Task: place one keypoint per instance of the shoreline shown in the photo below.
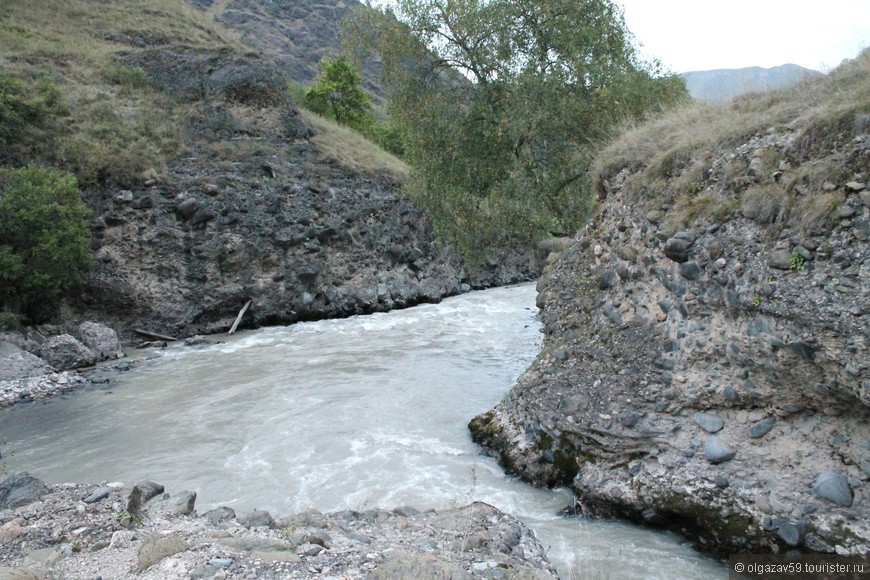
(113, 530)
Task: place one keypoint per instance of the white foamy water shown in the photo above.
(344, 414)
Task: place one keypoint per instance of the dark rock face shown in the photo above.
(771, 356)
(308, 239)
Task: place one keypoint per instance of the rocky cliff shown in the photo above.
(255, 210)
(706, 360)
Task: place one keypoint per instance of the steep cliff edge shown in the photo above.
(706, 360)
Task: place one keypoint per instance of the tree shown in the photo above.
(503, 104)
(336, 94)
(44, 239)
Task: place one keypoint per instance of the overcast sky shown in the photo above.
(689, 35)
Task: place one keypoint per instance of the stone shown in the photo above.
(406, 511)
(716, 451)
(98, 494)
(761, 428)
(627, 253)
(789, 532)
(101, 339)
(221, 514)
(64, 352)
(8, 532)
(258, 519)
(156, 547)
(629, 419)
(846, 211)
(690, 270)
(20, 489)
(721, 481)
(654, 216)
(780, 260)
(709, 422)
(607, 279)
(187, 208)
(18, 364)
(677, 249)
(181, 503)
(833, 486)
(143, 202)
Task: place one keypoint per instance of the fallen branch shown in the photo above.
(239, 317)
(154, 335)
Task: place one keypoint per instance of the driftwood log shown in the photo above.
(239, 317)
(154, 335)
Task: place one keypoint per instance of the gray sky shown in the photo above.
(689, 35)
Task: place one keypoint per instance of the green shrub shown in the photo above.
(44, 239)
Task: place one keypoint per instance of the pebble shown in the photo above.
(761, 428)
(709, 422)
(716, 451)
(833, 485)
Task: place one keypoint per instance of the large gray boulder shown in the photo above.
(101, 339)
(18, 364)
(64, 352)
(20, 489)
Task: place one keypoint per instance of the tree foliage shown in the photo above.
(337, 94)
(44, 239)
(503, 104)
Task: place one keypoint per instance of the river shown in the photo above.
(364, 412)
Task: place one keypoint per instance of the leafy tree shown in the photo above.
(503, 104)
(336, 94)
(44, 239)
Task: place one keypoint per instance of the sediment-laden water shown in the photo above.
(343, 414)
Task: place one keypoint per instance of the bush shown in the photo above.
(44, 239)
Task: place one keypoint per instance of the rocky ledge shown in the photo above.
(711, 377)
(116, 531)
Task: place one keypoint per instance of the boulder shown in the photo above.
(101, 339)
(18, 364)
(64, 352)
(20, 489)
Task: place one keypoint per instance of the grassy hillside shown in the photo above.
(802, 139)
(112, 125)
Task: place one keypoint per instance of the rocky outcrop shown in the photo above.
(79, 531)
(257, 213)
(712, 377)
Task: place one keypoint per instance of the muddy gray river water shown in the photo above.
(344, 414)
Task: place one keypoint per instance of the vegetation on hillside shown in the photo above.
(500, 152)
(670, 159)
(44, 239)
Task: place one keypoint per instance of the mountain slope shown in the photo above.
(716, 86)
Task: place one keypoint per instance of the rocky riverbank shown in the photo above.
(710, 374)
(113, 530)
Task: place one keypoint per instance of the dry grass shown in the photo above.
(670, 158)
(350, 149)
(118, 127)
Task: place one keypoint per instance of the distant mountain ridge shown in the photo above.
(716, 86)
